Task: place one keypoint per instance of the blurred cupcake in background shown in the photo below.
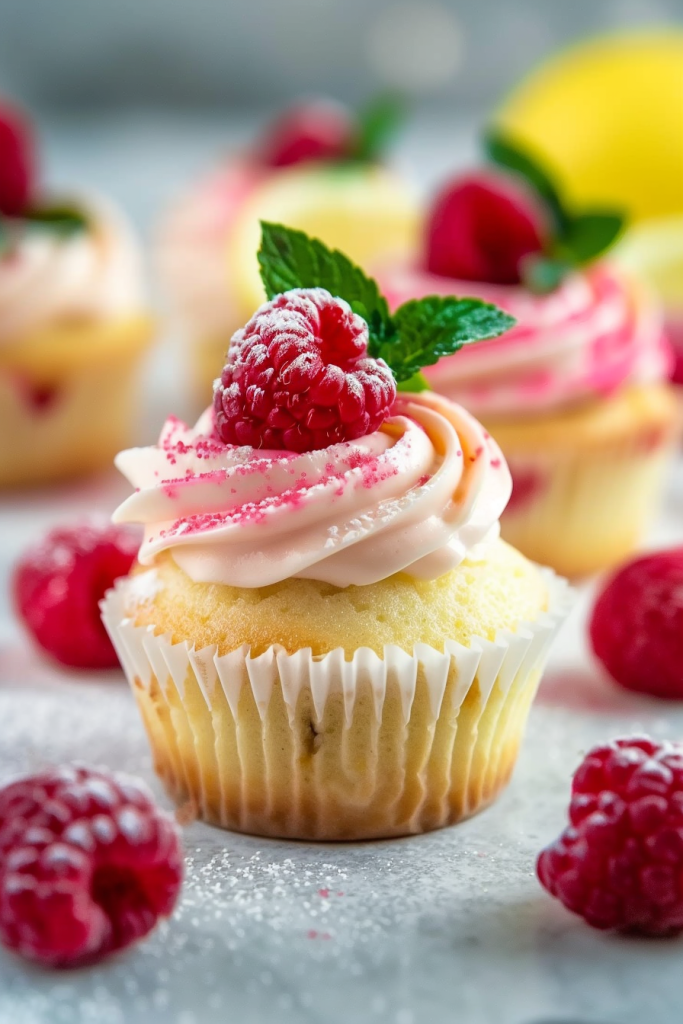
(318, 168)
(607, 114)
(577, 393)
(73, 323)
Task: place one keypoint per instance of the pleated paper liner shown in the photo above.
(325, 748)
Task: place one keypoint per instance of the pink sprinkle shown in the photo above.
(495, 463)
(324, 893)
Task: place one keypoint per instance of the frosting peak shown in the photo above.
(415, 496)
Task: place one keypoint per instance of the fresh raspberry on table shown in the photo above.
(320, 130)
(637, 625)
(298, 377)
(88, 865)
(619, 864)
(482, 227)
(58, 586)
(16, 162)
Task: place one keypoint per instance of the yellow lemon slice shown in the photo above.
(367, 212)
(654, 251)
(608, 116)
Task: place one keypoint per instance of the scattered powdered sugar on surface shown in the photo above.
(300, 933)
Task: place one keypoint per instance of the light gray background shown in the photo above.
(78, 54)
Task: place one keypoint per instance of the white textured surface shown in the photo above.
(432, 930)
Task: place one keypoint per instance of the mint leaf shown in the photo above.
(64, 220)
(543, 274)
(591, 233)
(378, 123)
(290, 259)
(436, 326)
(501, 150)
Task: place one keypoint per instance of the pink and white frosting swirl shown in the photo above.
(416, 496)
(46, 277)
(597, 332)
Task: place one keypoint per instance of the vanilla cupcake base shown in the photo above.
(329, 748)
(66, 399)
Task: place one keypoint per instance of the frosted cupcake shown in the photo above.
(73, 325)
(577, 393)
(324, 635)
(316, 168)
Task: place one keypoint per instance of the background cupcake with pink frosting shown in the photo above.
(577, 392)
(73, 322)
(318, 167)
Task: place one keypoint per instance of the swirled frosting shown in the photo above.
(597, 332)
(416, 496)
(46, 276)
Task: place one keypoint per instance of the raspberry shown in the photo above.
(482, 227)
(322, 130)
(58, 586)
(88, 864)
(298, 377)
(16, 163)
(637, 625)
(619, 864)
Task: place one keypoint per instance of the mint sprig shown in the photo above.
(418, 334)
(578, 236)
(436, 326)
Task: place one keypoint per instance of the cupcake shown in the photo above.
(325, 635)
(73, 325)
(318, 168)
(577, 393)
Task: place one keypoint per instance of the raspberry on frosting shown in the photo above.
(298, 377)
(619, 864)
(88, 864)
(58, 586)
(637, 625)
(482, 227)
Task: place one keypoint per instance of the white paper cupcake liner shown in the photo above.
(407, 741)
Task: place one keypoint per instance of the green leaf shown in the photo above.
(501, 150)
(64, 220)
(378, 123)
(543, 274)
(591, 233)
(438, 326)
(290, 259)
(418, 382)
